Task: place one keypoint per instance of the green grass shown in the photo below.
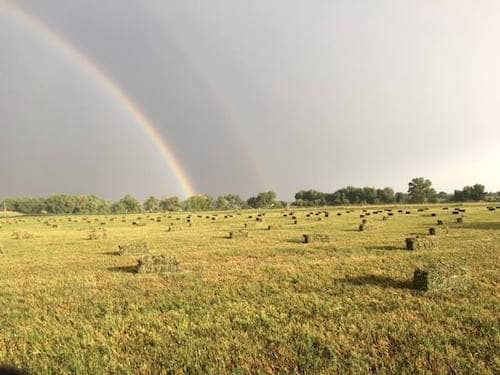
(263, 304)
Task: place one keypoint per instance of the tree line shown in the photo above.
(420, 190)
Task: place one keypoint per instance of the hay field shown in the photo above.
(72, 300)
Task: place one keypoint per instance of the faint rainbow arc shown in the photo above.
(113, 88)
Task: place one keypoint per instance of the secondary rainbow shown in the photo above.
(111, 86)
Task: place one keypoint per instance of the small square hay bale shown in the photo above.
(384, 218)
(138, 247)
(421, 280)
(432, 231)
(440, 222)
(390, 214)
(433, 214)
(273, 226)
(460, 220)
(364, 221)
(420, 243)
(98, 234)
(157, 264)
(22, 235)
(238, 234)
(339, 213)
(442, 276)
(316, 237)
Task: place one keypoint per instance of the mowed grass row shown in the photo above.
(258, 304)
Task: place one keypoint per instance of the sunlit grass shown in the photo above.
(266, 303)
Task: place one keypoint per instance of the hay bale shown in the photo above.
(421, 279)
(138, 247)
(432, 231)
(339, 214)
(420, 243)
(97, 234)
(157, 264)
(19, 235)
(384, 218)
(273, 226)
(441, 277)
(390, 214)
(316, 237)
(238, 234)
(433, 214)
(460, 220)
(364, 221)
(362, 227)
(440, 222)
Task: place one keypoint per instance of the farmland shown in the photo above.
(260, 302)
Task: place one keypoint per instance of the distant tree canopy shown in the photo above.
(347, 195)
(263, 200)
(473, 193)
(127, 205)
(152, 204)
(170, 204)
(419, 191)
(198, 203)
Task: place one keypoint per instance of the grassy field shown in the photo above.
(263, 304)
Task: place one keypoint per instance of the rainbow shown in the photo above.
(112, 87)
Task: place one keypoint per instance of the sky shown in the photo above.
(247, 96)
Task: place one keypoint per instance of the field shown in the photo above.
(72, 301)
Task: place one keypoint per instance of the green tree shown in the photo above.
(200, 202)
(310, 198)
(152, 204)
(128, 204)
(420, 190)
(263, 200)
(170, 204)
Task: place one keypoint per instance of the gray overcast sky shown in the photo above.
(252, 95)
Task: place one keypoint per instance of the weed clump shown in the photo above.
(157, 264)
